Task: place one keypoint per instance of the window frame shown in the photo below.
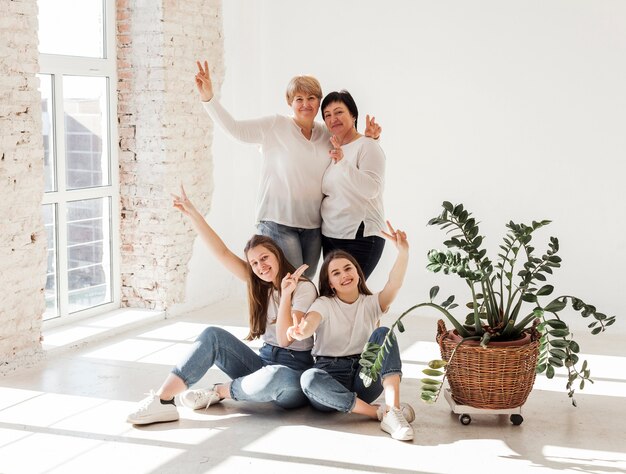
(58, 66)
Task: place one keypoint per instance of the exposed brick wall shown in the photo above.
(165, 139)
(22, 239)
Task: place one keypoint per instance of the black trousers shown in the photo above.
(365, 250)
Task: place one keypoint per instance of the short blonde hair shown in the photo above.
(307, 84)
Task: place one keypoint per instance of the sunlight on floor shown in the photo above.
(587, 459)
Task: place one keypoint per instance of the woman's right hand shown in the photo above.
(203, 82)
(182, 202)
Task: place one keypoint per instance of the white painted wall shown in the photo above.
(516, 109)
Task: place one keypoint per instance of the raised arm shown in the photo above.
(286, 315)
(247, 131)
(396, 275)
(231, 262)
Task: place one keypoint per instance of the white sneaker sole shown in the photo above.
(400, 436)
(158, 418)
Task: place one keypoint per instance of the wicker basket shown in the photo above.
(492, 377)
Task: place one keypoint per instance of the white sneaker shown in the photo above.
(200, 398)
(407, 411)
(396, 425)
(151, 410)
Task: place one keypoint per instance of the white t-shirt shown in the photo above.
(290, 188)
(353, 191)
(301, 299)
(344, 328)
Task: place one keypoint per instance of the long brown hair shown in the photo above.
(259, 291)
(324, 286)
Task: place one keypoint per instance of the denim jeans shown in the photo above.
(299, 245)
(365, 250)
(334, 383)
(273, 375)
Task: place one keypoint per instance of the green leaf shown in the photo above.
(556, 324)
(545, 290)
(555, 362)
(433, 292)
(429, 388)
(558, 332)
(437, 364)
(428, 397)
(433, 372)
(558, 353)
(400, 326)
(427, 381)
(560, 343)
(549, 371)
(448, 206)
(596, 331)
(540, 368)
(529, 298)
(555, 306)
(574, 347)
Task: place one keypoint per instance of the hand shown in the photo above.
(398, 237)
(182, 202)
(336, 154)
(203, 82)
(295, 332)
(290, 282)
(372, 129)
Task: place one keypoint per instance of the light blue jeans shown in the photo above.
(273, 375)
(299, 245)
(334, 383)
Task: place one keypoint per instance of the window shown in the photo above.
(77, 83)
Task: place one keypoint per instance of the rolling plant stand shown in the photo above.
(465, 411)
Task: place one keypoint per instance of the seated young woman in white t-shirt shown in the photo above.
(344, 318)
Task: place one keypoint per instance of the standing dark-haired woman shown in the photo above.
(352, 208)
(276, 294)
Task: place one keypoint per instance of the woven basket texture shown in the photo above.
(491, 377)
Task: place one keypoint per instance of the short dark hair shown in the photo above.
(345, 98)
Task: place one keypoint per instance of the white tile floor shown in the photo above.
(68, 416)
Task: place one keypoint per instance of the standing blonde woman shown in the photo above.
(295, 152)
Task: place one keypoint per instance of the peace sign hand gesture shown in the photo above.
(290, 282)
(372, 129)
(336, 154)
(295, 332)
(398, 237)
(203, 82)
(182, 202)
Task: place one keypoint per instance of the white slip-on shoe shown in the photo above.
(151, 410)
(200, 398)
(396, 425)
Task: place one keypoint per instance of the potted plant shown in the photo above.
(509, 301)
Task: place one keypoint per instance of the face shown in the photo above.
(305, 106)
(338, 118)
(343, 276)
(263, 262)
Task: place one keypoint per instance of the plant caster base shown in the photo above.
(465, 411)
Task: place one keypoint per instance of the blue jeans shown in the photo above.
(273, 375)
(299, 245)
(365, 250)
(334, 383)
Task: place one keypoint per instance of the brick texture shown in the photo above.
(164, 139)
(23, 241)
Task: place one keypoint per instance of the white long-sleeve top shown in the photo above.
(290, 187)
(353, 191)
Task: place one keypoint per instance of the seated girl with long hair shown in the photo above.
(276, 294)
(344, 318)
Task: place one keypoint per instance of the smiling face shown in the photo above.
(343, 277)
(305, 106)
(338, 119)
(264, 263)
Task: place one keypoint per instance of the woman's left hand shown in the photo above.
(397, 236)
(290, 282)
(372, 129)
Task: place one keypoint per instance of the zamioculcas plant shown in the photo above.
(507, 297)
